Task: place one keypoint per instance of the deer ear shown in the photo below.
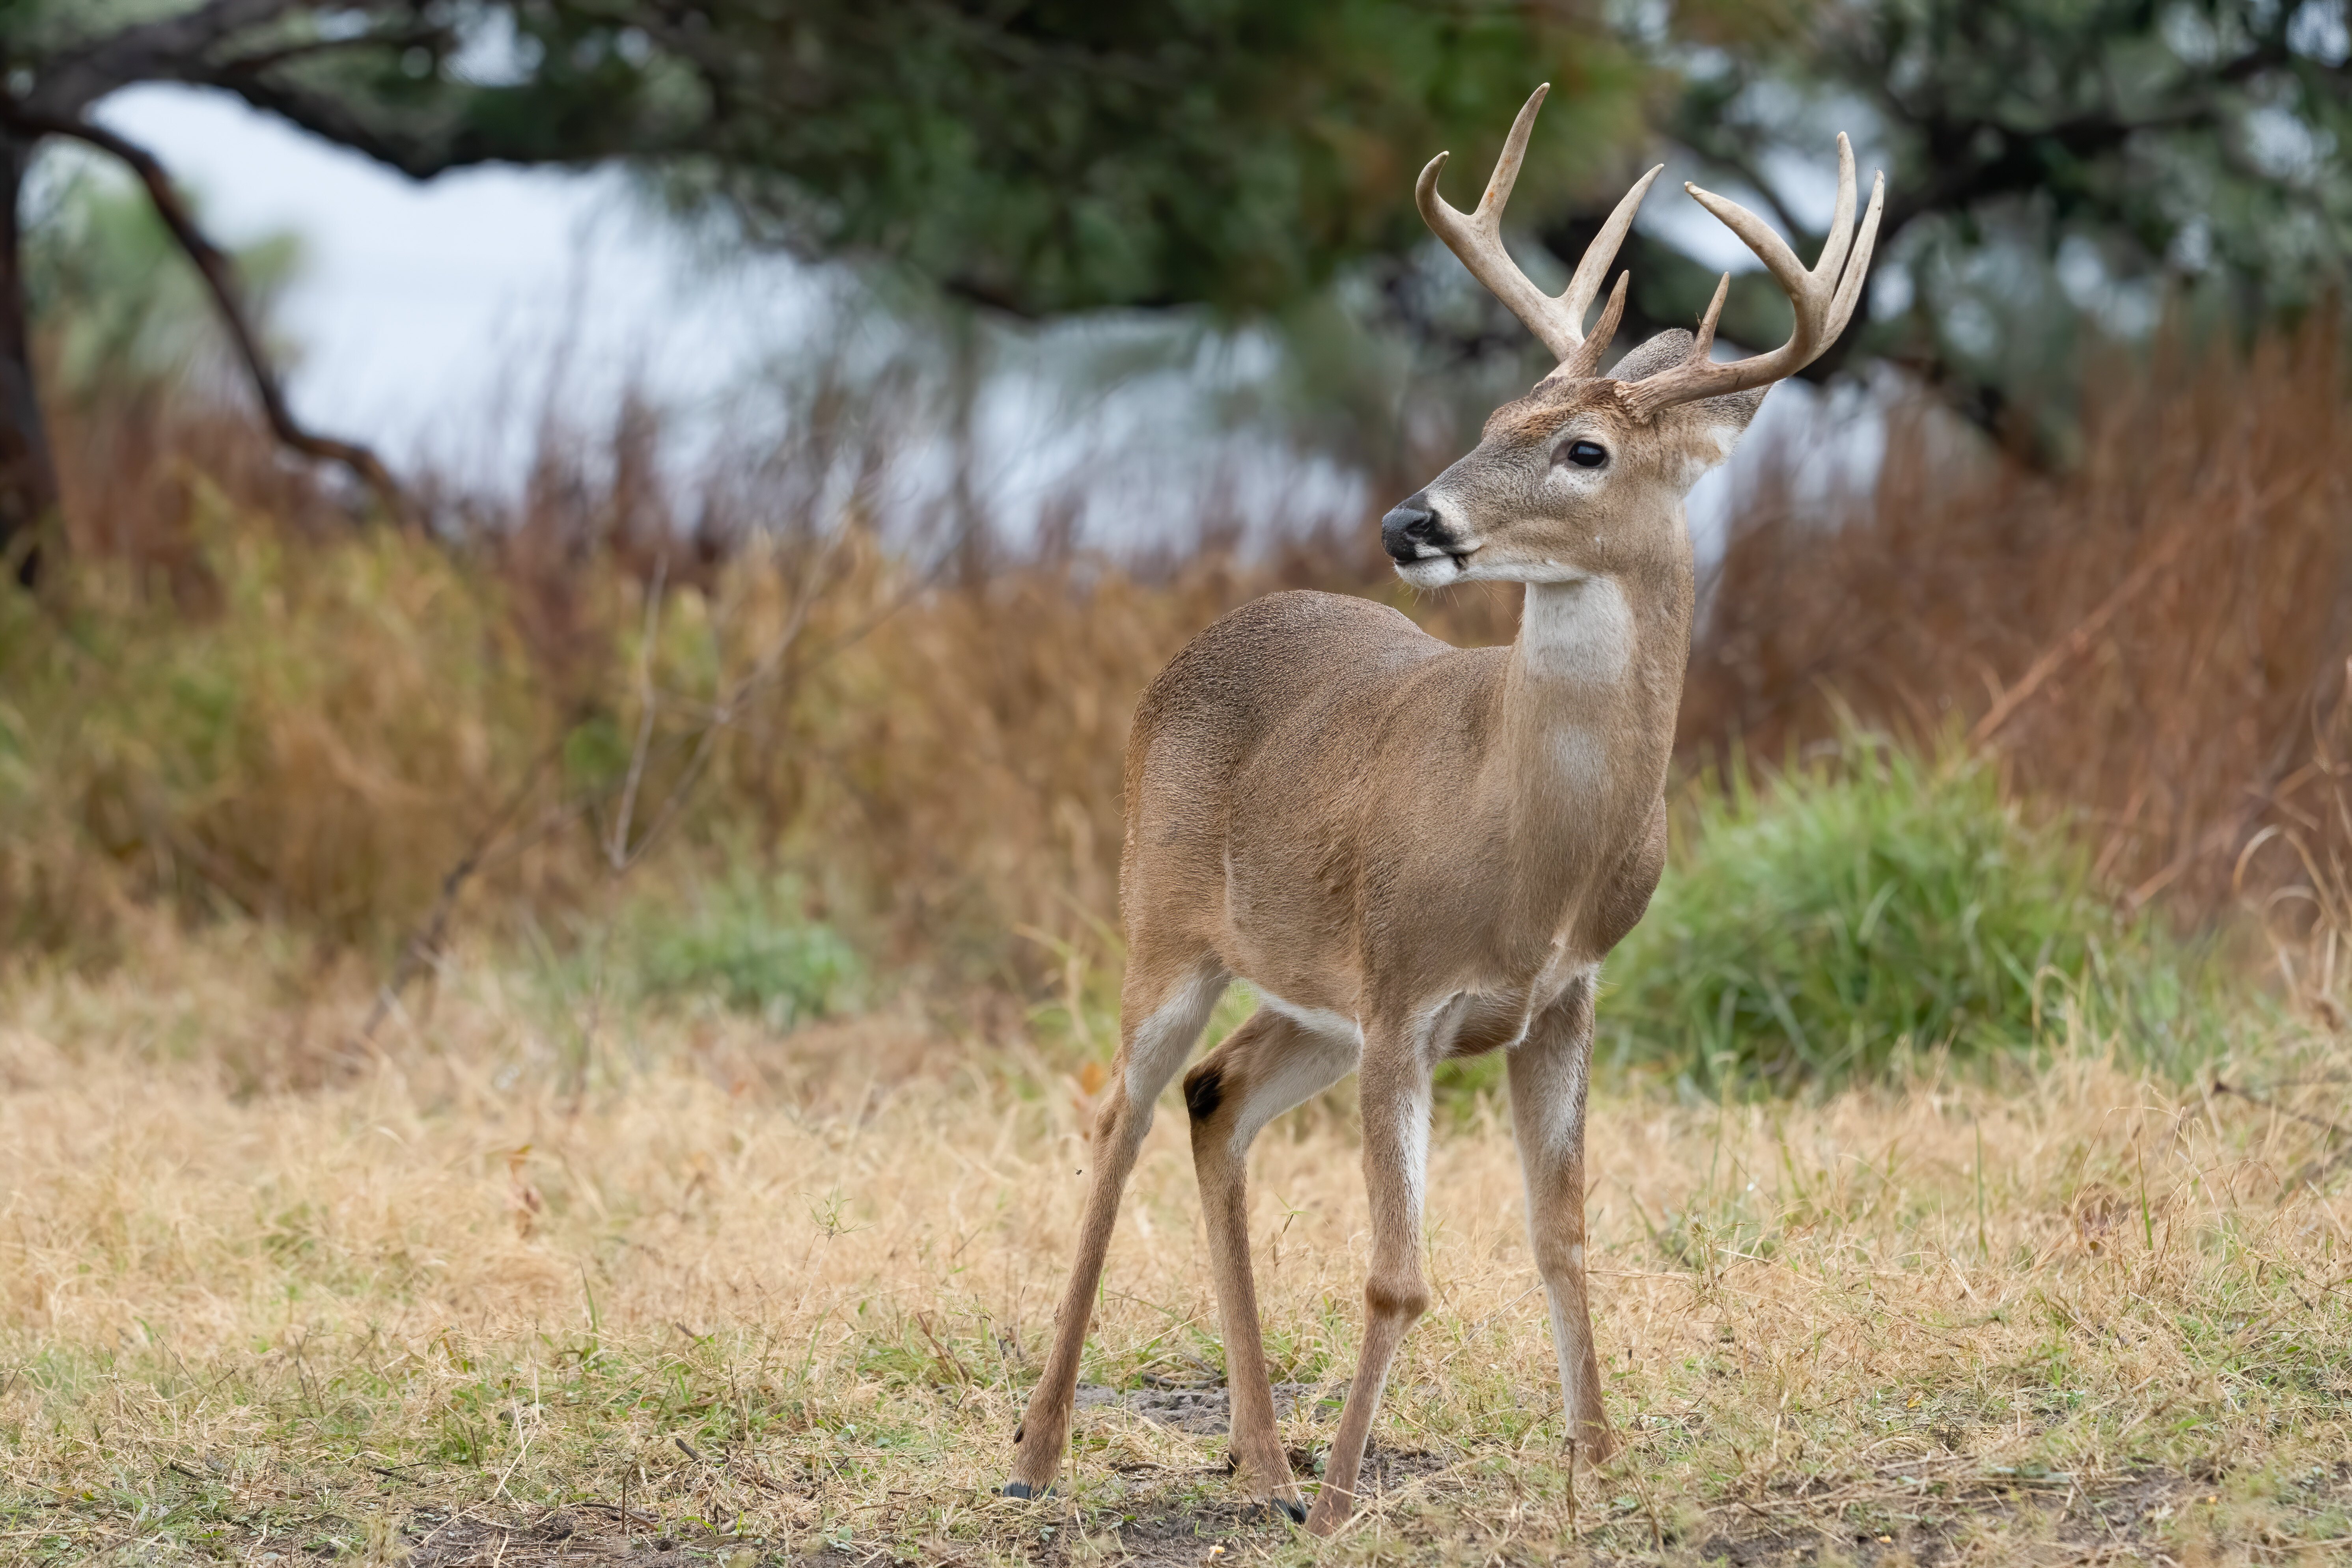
(1647, 359)
(1716, 424)
(1727, 415)
(1731, 411)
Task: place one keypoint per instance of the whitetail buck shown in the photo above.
(1413, 851)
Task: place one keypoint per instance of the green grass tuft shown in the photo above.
(747, 943)
(1869, 909)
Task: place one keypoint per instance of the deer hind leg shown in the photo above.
(1264, 1068)
(1162, 1012)
(1548, 1073)
(1396, 1173)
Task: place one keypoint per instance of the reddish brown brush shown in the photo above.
(242, 698)
(135, 471)
(2147, 637)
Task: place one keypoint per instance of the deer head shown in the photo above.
(1586, 474)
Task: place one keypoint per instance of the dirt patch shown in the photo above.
(1202, 1409)
(1178, 1517)
(1927, 1521)
(594, 1532)
(1185, 1532)
(1930, 1515)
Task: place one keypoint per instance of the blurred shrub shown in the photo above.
(1867, 911)
(747, 943)
(2158, 628)
(227, 702)
(316, 750)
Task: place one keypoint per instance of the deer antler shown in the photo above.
(1477, 239)
(1824, 299)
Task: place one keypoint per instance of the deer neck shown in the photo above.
(1590, 699)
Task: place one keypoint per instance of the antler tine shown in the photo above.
(1849, 291)
(1585, 362)
(1823, 297)
(1594, 264)
(1477, 239)
(1704, 343)
(1833, 253)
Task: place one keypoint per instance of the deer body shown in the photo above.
(1413, 851)
(1401, 821)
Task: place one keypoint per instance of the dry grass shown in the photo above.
(784, 1298)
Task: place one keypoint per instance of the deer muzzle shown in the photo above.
(1415, 530)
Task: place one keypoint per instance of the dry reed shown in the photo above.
(2150, 639)
(240, 701)
(231, 700)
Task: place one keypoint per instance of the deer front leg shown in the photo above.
(1396, 1174)
(1160, 1016)
(1548, 1074)
(1264, 1068)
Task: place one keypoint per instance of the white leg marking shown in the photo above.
(1163, 1040)
(1551, 1127)
(1334, 1046)
(1314, 1020)
(1563, 1130)
(1413, 1131)
(1322, 1061)
(1571, 1365)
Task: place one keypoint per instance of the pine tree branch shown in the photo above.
(80, 77)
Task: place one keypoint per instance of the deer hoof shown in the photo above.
(1599, 1450)
(1023, 1489)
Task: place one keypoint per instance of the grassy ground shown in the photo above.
(533, 1277)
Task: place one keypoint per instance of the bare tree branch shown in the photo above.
(219, 274)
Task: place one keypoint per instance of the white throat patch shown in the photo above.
(1580, 631)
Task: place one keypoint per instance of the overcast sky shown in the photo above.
(424, 307)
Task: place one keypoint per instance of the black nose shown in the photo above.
(1408, 525)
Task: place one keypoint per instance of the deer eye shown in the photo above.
(1585, 454)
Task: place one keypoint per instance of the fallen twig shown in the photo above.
(424, 939)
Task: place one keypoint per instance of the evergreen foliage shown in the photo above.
(2055, 168)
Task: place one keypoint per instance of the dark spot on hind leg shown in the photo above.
(1205, 1089)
